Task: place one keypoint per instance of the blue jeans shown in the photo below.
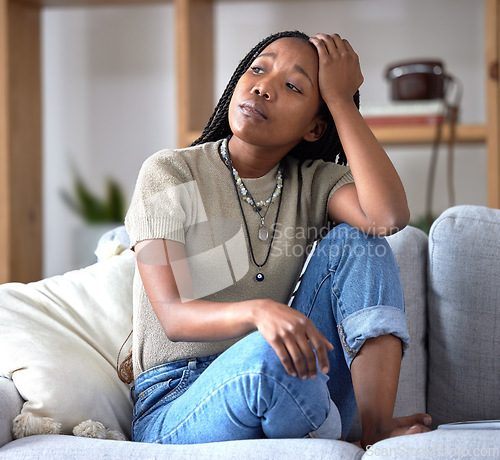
(351, 290)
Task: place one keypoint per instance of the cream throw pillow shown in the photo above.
(59, 341)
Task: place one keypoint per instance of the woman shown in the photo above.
(221, 232)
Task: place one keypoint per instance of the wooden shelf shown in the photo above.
(426, 134)
(403, 135)
(73, 3)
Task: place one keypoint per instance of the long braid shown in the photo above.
(328, 147)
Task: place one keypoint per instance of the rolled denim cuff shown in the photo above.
(371, 322)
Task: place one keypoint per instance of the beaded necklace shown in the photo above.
(263, 232)
(279, 177)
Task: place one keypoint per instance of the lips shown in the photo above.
(253, 109)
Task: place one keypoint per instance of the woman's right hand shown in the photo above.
(294, 338)
(291, 334)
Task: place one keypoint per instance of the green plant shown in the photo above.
(423, 222)
(93, 209)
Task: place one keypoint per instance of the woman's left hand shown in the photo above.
(339, 70)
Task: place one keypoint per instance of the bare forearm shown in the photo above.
(170, 292)
(381, 194)
(205, 321)
(184, 318)
(377, 202)
(292, 335)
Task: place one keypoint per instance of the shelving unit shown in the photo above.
(20, 114)
(426, 134)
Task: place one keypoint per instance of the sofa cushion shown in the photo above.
(10, 406)
(410, 248)
(68, 448)
(59, 342)
(464, 315)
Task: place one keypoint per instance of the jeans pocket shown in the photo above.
(159, 394)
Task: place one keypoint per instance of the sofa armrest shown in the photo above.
(410, 248)
(11, 404)
(464, 315)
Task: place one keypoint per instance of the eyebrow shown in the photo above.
(297, 67)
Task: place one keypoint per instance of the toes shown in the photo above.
(415, 429)
(415, 419)
(403, 431)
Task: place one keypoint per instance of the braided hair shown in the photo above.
(327, 148)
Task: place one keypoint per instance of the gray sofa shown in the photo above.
(452, 369)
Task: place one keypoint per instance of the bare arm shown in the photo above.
(171, 295)
(165, 274)
(376, 203)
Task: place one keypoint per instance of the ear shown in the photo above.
(315, 130)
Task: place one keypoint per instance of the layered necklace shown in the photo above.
(258, 206)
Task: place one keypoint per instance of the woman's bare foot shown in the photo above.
(400, 426)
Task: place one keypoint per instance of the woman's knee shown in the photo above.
(261, 359)
(346, 241)
(257, 354)
(365, 270)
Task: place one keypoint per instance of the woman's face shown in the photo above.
(276, 101)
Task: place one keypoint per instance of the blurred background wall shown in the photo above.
(109, 90)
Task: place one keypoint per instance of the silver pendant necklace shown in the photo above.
(263, 233)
